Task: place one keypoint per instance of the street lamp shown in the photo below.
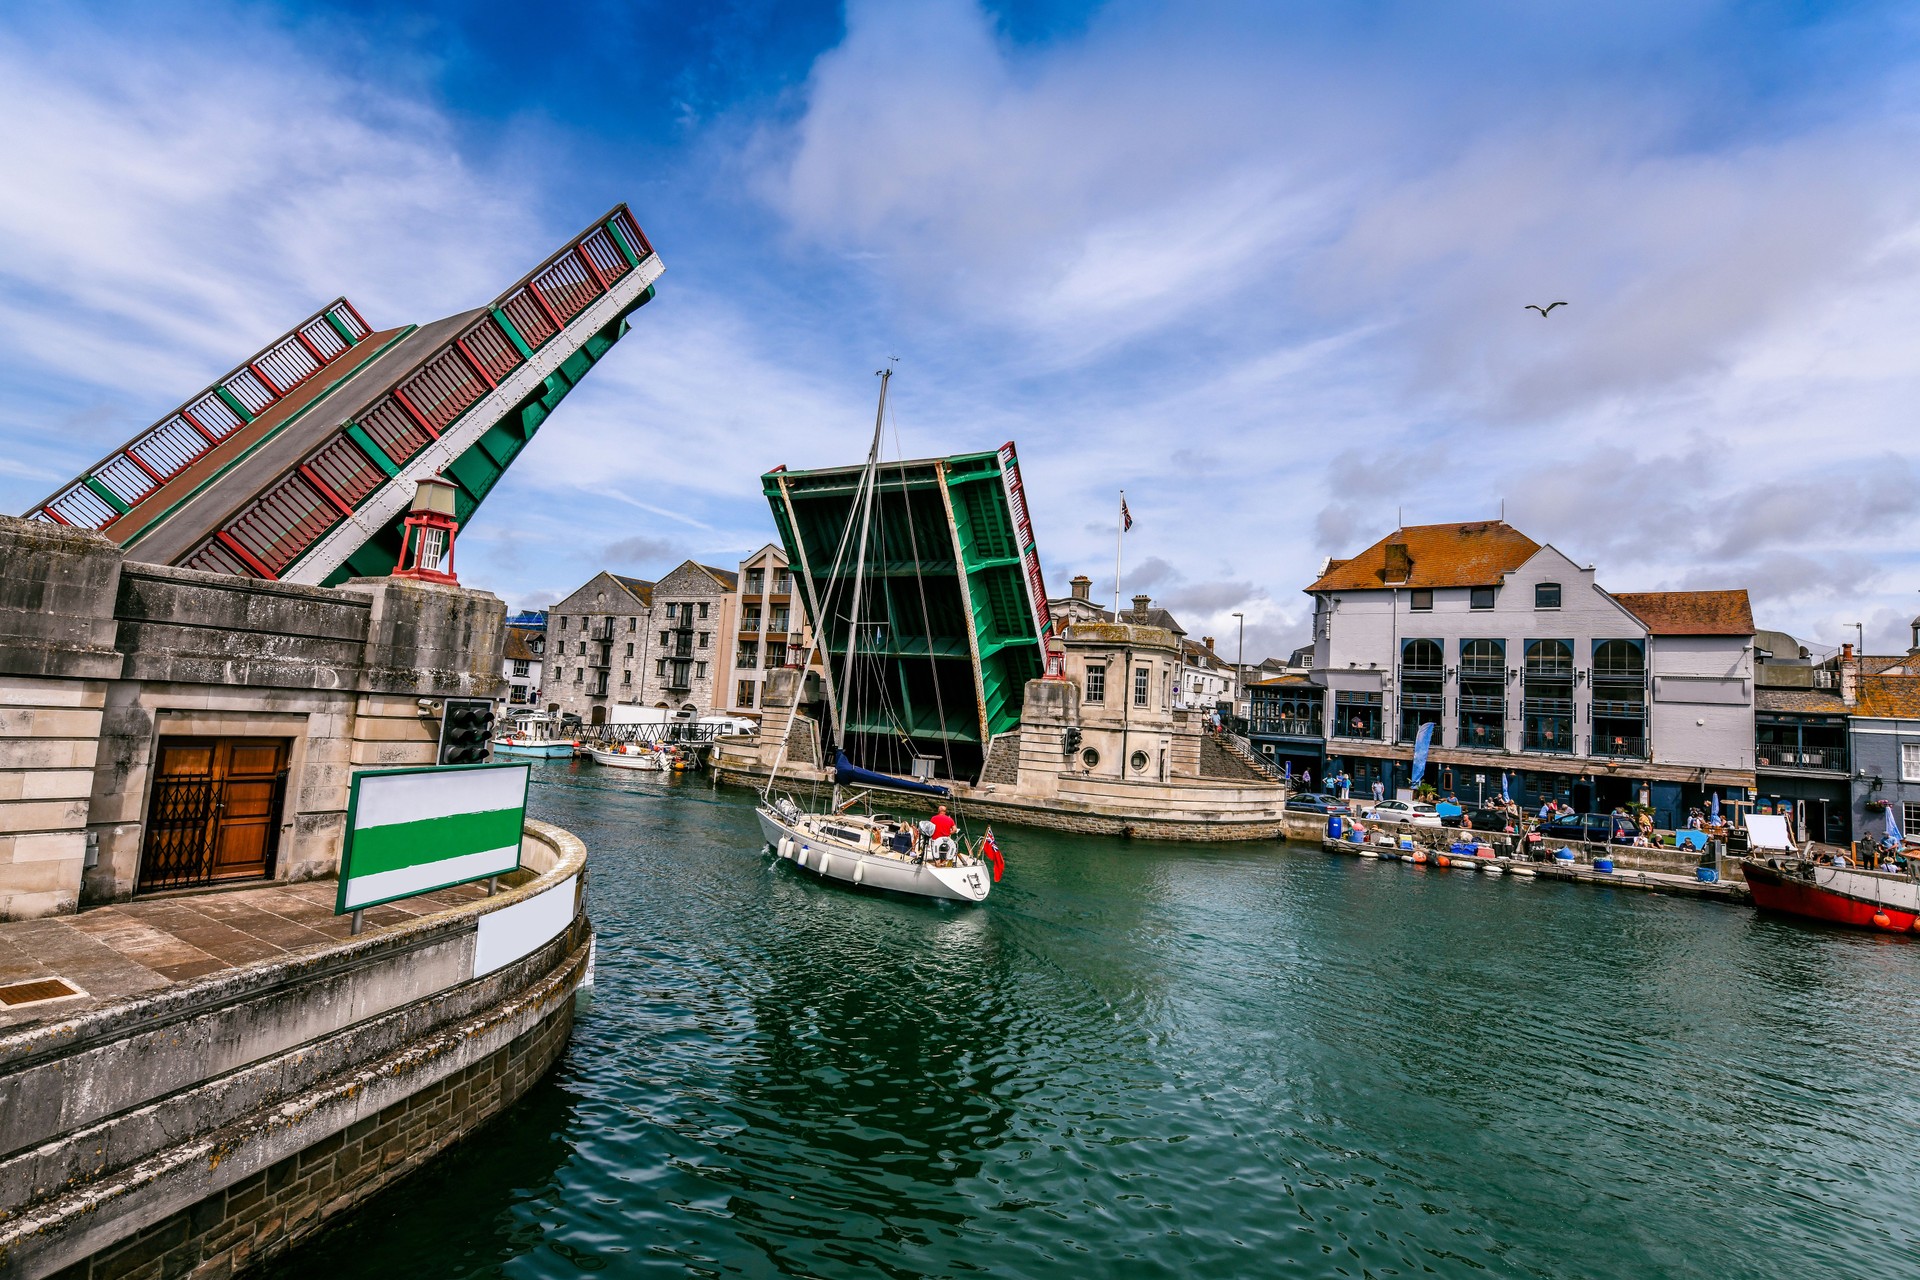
(1239, 657)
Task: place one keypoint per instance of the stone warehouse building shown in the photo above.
(1528, 668)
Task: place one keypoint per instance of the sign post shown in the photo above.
(412, 831)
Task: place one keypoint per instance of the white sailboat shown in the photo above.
(870, 849)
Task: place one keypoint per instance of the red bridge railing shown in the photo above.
(111, 487)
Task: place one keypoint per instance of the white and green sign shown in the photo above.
(415, 830)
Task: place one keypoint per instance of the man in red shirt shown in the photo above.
(942, 824)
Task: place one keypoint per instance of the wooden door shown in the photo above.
(215, 811)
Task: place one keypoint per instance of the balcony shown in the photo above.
(679, 678)
(1557, 743)
(602, 631)
(1767, 756)
(1420, 702)
(1483, 671)
(1281, 726)
(597, 687)
(746, 661)
(683, 647)
(1482, 737)
(1481, 704)
(1619, 709)
(602, 656)
(1618, 747)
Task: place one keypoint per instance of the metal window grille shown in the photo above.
(182, 834)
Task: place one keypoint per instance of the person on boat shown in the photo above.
(902, 839)
(942, 824)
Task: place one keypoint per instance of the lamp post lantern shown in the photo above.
(426, 553)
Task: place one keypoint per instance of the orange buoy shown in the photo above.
(1419, 856)
(1443, 860)
(1881, 920)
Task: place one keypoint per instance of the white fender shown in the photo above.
(826, 860)
(802, 859)
(859, 871)
(785, 848)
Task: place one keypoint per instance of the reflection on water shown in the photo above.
(1163, 1060)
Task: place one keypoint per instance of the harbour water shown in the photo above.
(1145, 1060)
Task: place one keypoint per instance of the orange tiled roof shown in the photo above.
(1889, 697)
(1817, 701)
(1442, 555)
(517, 643)
(1690, 613)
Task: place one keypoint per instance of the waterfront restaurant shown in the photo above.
(1531, 673)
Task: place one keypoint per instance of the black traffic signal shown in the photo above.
(466, 731)
(1070, 740)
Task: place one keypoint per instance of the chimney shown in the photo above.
(1399, 564)
(1849, 676)
(1082, 587)
(1140, 604)
(1207, 641)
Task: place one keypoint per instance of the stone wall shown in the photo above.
(101, 658)
(263, 1215)
(317, 1078)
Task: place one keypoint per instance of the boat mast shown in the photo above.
(868, 484)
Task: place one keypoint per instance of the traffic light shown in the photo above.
(466, 731)
(1070, 740)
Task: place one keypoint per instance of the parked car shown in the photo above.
(1317, 802)
(1594, 828)
(1411, 812)
(1485, 818)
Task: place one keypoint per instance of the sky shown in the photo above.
(1264, 266)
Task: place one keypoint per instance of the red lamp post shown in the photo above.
(426, 551)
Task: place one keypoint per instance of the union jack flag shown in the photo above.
(1126, 516)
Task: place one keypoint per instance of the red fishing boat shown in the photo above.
(1888, 900)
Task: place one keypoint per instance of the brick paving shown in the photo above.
(149, 944)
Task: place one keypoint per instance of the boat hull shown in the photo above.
(647, 761)
(1837, 895)
(534, 750)
(833, 860)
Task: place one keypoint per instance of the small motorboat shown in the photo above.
(531, 736)
(628, 755)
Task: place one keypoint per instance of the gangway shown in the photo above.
(299, 464)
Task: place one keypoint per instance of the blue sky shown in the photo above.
(1262, 265)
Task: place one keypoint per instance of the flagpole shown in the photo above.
(1119, 531)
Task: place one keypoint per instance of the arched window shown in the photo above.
(1617, 658)
(1420, 655)
(1549, 658)
(1482, 657)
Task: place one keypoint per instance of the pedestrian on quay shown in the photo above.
(1379, 791)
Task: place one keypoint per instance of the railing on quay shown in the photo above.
(277, 528)
(132, 473)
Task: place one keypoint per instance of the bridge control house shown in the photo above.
(1529, 670)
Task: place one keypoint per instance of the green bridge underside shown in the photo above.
(477, 470)
(946, 636)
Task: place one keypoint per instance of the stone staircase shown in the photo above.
(1242, 750)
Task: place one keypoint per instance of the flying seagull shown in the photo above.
(1543, 310)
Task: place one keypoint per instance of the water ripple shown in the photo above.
(1154, 1060)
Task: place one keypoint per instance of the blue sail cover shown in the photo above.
(844, 770)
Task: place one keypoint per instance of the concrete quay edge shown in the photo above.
(109, 1163)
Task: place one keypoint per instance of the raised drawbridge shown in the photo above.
(299, 464)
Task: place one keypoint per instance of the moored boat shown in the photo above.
(628, 755)
(1886, 900)
(530, 735)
